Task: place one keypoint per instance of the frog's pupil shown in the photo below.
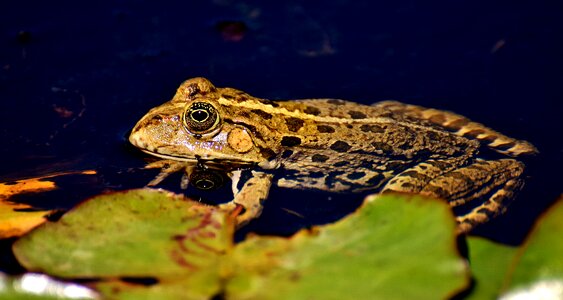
(205, 184)
(200, 115)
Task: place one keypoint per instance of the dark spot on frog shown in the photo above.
(262, 114)
(349, 126)
(405, 146)
(433, 136)
(357, 114)
(396, 165)
(356, 175)
(294, 124)
(506, 146)
(371, 128)
(267, 153)
(461, 176)
(269, 102)
(340, 146)
(244, 114)
(375, 179)
(407, 185)
(382, 146)
(319, 158)
(192, 90)
(325, 129)
(341, 163)
(316, 174)
(489, 138)
(331, 178)
(416, 175)
(437, 191)
(290, 141)
(312, 110)
(286, 153)
(335, 102)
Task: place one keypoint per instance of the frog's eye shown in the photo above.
(206, 180)
(201, 117)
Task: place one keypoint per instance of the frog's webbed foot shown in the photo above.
(496, 180)
(254, 191)
(168, 167)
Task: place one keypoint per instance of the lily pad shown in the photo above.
(138, 234)
(18, 218)
(394, 247)
(538, 268)
(489, 263)
(145, 244)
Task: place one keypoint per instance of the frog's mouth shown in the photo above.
(199, 160)
(171, 157)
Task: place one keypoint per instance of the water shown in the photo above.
(75, 79)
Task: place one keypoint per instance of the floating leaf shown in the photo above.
(140, 234)
(400, 247)
(18, 218)
(146, 244)
(489, 263)
(538, 268)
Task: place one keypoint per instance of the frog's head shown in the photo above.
(193, 125)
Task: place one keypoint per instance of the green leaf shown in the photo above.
(538, 269)
(146, 244)
(136, 234)
(489, 263)
(394, 247)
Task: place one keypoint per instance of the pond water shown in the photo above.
(74, 79)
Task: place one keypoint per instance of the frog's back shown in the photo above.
(432, 119)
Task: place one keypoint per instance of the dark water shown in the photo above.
(74, 78)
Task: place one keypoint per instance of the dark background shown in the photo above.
(76, 76)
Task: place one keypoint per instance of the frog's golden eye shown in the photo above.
(201, 118)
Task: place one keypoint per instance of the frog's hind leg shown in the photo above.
(461, 126)
(497, 181)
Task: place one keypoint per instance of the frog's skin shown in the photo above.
(332, 145)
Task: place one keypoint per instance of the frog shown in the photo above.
(332, 145)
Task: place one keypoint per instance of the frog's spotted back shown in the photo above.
(335, 145)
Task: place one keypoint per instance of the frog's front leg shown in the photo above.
(254, 191)
(495, 180)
